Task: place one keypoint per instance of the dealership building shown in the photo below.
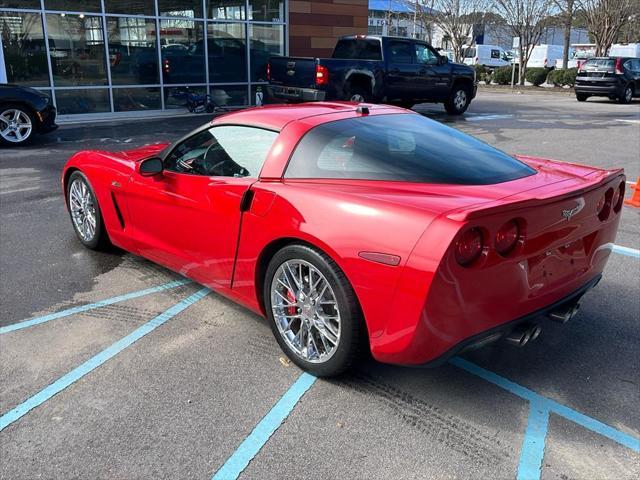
(119, 56)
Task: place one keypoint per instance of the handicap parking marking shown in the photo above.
(97, 360)
(83, 308)
(251, 445)
(629, 252)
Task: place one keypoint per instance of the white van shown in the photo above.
(625, 50)
(487, 55)
(545, 56)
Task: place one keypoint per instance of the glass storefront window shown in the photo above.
(266, 10)
(226, 9)
(133, 52)
(76, 47)
(135, 99)
(229, 95)
(182, 51)
(24, 49)
(20, 4)
(129, 7)
(266, 41)
(180, 8)
(82, 101)
(176, 97)
(227, 52)
(92, 6)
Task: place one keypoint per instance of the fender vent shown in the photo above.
(118, 212)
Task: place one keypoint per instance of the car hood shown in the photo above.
(137, 154)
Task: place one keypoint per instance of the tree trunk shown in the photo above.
(568, 22)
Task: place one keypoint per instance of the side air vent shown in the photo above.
(118, 212)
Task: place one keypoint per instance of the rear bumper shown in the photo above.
(296, 94)
(598, 88)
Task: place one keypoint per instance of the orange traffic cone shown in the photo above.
(634, 201)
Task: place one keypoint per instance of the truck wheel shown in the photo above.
(357, 93)
(458, 100)
(582, 97)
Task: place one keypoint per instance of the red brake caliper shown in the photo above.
(292, 299)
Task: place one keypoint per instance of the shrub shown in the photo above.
(537, 76)
(555, 77)
(569, 76)
(502, 75)
(482, 73)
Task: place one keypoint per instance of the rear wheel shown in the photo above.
(458, 100)
(85, 213)
(627, 95)
(313, 311)
(358, 93)
(17, 125)
(582, 97)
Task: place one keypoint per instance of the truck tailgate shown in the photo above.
(293, 71)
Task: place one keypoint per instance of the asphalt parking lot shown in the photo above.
(124, 370)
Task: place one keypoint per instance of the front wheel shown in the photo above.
(458, 100)
(313, 311)
(582, 97)
(85, 212)
(17, 125)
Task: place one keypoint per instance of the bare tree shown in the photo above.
(567, 10)
(455, 18)
(605, 19)
(526, 20)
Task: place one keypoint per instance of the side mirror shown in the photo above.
(150, 167)
(442, 60)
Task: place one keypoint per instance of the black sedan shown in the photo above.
(24, 112)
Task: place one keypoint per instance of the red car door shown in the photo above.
(188, 217)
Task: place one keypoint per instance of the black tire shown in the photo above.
(452, 105)
(25, 111)
(408, 104)
(627, 95)
(352, 331)
(353, 91)
(100, 238)
(582, 97)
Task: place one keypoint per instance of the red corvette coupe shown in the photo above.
(350, 226)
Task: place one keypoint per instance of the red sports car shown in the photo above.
(350, 226)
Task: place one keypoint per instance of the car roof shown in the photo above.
(276, 117)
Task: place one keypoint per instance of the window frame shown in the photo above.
(435, 54)
(411, 48)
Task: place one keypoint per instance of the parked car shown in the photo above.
(358, 226)
(615, 77)
(578, 54)
(545, 56)
(491, 56)
(23, 113)
(371, 68)
(625, 50)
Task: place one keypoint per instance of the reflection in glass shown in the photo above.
(226, 9)
(266, 10)
(176, 97)
(232, 95)
(129, 7)
(182, 51)
(24, 49)
(227, 52)
(266, 41)
(20, 4)
(134, 99)
(180, 8)
(76, 48)
(82, 101)
(133, 53)
(73, 5)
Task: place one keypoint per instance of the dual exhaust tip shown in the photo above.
(527, 332)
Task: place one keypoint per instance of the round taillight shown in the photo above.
(469, 246)
(618, 197)
(604, 205)
(507, 237)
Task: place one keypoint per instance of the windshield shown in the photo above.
(400, 147)
(470, 52)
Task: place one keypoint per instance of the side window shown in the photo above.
(224, 151)
(425, 55)
(495, 53)
(400, 52)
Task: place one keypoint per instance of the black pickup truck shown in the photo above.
(370, 68)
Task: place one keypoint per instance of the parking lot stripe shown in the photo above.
(97, 360)
(83, 308)
(532, 453)
(251, 445)
(629, 252)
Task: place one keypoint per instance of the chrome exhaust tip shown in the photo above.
(564, 314)
(523, 334)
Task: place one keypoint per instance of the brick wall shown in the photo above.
(315, 25)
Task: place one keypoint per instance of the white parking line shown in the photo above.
(627, 120)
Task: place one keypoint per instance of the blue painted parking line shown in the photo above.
(251, 445)
(97, 360)
(532, 450)
(83, 308)
(629, 252)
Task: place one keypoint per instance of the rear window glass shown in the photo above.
(400, 147)
(600, 63)
(361, 49)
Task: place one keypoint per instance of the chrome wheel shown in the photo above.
(15, 125)
(460, 100)
(356, 97)
(83, 211)
(305, 310)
